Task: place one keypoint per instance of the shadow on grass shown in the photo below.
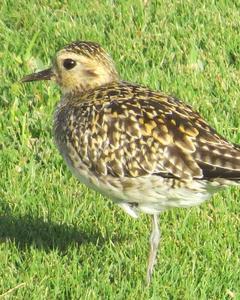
(28, 232)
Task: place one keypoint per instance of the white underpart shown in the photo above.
(151, 193)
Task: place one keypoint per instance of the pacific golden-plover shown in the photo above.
(144, 149)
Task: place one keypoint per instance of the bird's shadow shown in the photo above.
(26, 232)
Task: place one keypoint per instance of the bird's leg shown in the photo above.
(154, 242)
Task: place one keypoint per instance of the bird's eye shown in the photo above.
(69, 63)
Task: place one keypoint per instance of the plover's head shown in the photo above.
(79, 66)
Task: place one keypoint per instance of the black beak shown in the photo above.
(42, 75)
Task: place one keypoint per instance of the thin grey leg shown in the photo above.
(154, 242)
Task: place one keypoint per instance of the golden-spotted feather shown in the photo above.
(131, 131)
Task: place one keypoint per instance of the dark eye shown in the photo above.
(69, 63)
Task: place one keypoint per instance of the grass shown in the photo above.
(60, 240)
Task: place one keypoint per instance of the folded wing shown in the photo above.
(135, 132)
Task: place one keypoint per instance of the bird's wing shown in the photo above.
(133, 132)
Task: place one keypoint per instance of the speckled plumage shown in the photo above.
(146, 150)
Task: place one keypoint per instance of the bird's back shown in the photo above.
(126, 130)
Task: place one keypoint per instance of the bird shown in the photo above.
(146, 150)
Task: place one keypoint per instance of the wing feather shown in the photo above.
(136, 132)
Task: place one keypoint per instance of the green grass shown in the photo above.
(59, 240)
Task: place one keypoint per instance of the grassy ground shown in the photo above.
(59, 240)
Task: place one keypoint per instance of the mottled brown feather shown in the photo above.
(126, 130)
